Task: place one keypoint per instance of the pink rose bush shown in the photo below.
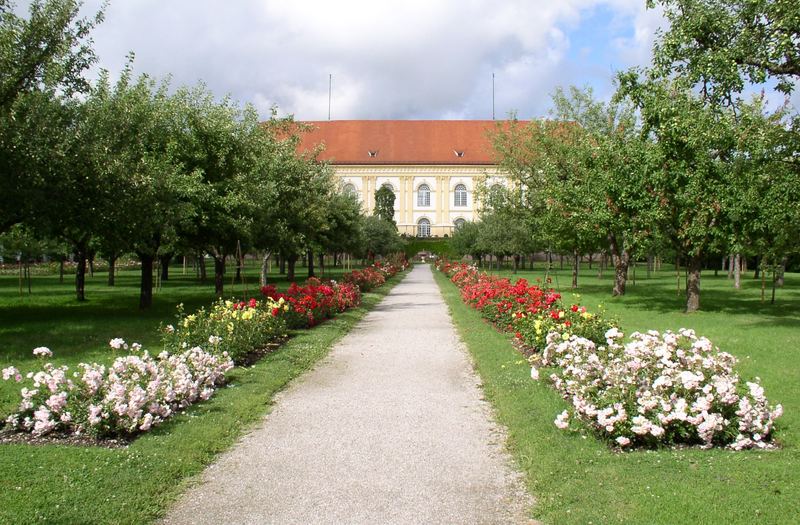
(133, 394)
(670, 388)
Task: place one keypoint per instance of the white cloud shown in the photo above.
(411, 59)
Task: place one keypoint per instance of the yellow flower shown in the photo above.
(561, 314)
(286, 308)
(229, 304)
(537, 324)
(565, 336)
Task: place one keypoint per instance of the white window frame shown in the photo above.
(423, 228)
(424, 195)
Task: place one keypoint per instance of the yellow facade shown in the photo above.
(417, 214)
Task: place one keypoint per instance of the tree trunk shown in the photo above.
(164, 260)
(201, 263)
(561, 261)
(310, 258)
(774, 279)
(758, 267)
(780, 271)
(621, 259)
(61, 271)
(737, 271)
(600, 265)
(219, 275)
(322, 263)
(265, 268)
(516, 262)
(678, 271)
(291, 260)
(730, 266)
(112, 270)
(591, 257)
(146, 286)
(649, 265)
(91, 264)
(80, 273)
(575, 263)
(282, 265)
(693, 283)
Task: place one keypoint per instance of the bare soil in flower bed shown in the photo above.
(256, 355)
(60, 438)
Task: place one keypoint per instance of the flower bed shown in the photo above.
(673, 389)
(132, 395)
(232, 328)
(305, 306)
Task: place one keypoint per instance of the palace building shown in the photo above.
(431, 166)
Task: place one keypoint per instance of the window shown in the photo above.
(459, 223)
(349, 189)
(423, 195)
(461, 195)
(424, 228)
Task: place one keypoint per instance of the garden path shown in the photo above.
(389, 428)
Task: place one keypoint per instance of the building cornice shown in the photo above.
(389, 170)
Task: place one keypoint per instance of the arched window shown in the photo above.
(349, 189)
(423, 195)
(424, 228)
(461, 195)
(459, 223)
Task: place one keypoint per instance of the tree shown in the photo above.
(380, 237)
(42, 58)
(721, 44)
(150, 195)
(690, 166)
(465, 240)
(583, 178)
(384, 204)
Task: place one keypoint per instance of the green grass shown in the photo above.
(578, 479)
(74, 484)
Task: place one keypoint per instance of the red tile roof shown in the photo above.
(403, 141)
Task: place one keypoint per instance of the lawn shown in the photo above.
(578, 479)
(72, 484)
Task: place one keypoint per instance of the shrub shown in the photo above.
(132, 395)
(235, 328)
(305, 306)
(658, 389)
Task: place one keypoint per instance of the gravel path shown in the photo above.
(389, 428)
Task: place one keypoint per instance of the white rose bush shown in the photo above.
(133, 394)
(670, 388)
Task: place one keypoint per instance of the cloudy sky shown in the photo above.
(428, 59)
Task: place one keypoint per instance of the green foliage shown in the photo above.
(465, 240)
(721, 44)
(384, 204)
(380, 237)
